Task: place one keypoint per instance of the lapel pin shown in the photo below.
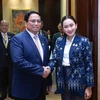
(60, 48)
(75, 45)
(43, 44)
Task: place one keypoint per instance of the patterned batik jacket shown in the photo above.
(80, 72)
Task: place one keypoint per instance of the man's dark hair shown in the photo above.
(26, 17)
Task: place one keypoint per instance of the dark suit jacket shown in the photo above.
(44, 33)
(5, 52)
(28, 66)
(5, 59)
(54, 38)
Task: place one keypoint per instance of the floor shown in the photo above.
(51, 95)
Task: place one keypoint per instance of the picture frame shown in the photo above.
(17, 24)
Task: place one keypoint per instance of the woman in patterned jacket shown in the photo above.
(72, 57)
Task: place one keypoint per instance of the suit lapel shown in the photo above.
(31, 42)
(1, 39)
(42, 44)
(74, 45)
(9, 37)
(62, 45)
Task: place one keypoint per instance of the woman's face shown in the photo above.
(69, 27)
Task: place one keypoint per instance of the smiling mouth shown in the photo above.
(36, 27)
(69, 32)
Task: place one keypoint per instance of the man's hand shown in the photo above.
(48, 89)
(47, 71)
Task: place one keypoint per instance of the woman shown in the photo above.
(72, 56)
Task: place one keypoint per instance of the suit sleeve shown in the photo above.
(88, 63)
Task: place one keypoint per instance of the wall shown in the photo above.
(64, 9)
(26, 4)
(98, 50)
(17, 4)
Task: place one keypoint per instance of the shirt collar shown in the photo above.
(31, 34)
(67, 41)
(3, 33)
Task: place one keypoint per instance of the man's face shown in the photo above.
(34, 23)
(4, 27)
(60, 28)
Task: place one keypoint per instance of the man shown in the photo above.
(30, 54)
(56, 35)
(43, 32)
(54, 38)
(6, 66)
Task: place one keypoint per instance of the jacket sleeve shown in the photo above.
(55, 55)
(87, 53)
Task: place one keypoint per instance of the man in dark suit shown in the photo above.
(43, 32)
(6, 66)
(54, 38)
(30, 54)
(56, 35)
(46, 34)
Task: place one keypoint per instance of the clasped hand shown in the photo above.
(47, 71)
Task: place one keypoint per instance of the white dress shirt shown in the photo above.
(68, 44)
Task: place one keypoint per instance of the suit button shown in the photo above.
(6, 54)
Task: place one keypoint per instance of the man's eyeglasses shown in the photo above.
(34, 21)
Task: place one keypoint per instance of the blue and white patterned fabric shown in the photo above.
(80, 73)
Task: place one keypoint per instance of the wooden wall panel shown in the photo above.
(50, 11)
(87, 18)
(0, 10)
(83, 16)
(94, 29)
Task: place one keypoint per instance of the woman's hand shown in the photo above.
(88, 93)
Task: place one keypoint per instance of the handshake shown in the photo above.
(47, 71)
